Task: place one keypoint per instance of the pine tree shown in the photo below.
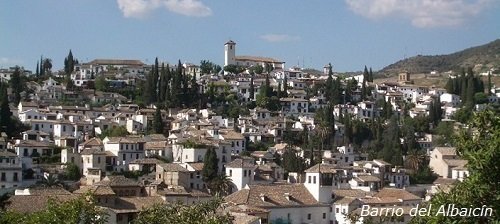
(158, 125)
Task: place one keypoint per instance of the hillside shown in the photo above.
(480, 57)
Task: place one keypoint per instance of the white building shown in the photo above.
(449, 98)
(125, 149)
(11, 170)
(241, 173)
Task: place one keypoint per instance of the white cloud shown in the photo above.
(4, 61)
(142, 8)
(188, 7)
(279, 37)
(421, 13)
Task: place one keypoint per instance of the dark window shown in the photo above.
(309, 216)
(2, 178)
(324, 215)
(14, 178)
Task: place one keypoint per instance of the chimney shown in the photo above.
(263, 197)
(288, 196)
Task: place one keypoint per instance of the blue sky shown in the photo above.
(311, 33)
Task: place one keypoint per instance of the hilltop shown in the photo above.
(479, 57)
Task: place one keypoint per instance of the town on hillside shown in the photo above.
(257, 141)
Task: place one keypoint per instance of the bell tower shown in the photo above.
(229, 53)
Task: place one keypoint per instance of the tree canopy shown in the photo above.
(200, 213)
(78, 210)
(479, 145)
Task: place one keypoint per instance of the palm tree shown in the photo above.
(323, 132)
(414, 159)
(221, 185)
(51, 180)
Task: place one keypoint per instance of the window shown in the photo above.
(2, 178)
(337, 210)
(309, 179)
(124, 156)
(98, 160)
(309, 216)
(324, 215)
(244, 173)
(230, 173)
(314, 179)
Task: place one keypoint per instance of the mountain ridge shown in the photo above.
(479, 57)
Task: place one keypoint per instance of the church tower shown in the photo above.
(230, 53)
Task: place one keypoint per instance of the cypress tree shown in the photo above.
(450, 86)
(16, 85)
(285, 86)
(210, 165)
(5, 113)
(471, 90)
(37, 69)
(370, 76)
(366, 74)
(71, 62)
(278, 93)
(158, 122)
(42, 67)
(490, 84)
(251, 90)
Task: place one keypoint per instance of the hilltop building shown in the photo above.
(230, 58)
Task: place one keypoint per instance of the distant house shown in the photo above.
(447, 164)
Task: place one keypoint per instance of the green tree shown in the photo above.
(101, 83)
(478, 145)
(69, 63)
(257, 69)
(199, 213)
(158, 125)
(79, 210)
(221, 185)
(210, 167)
(481, 98)
(72, 172)
(47, 65)
(118, 131)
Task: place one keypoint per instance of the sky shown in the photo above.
(349, 34)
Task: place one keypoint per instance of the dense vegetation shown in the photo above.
(479, 145)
